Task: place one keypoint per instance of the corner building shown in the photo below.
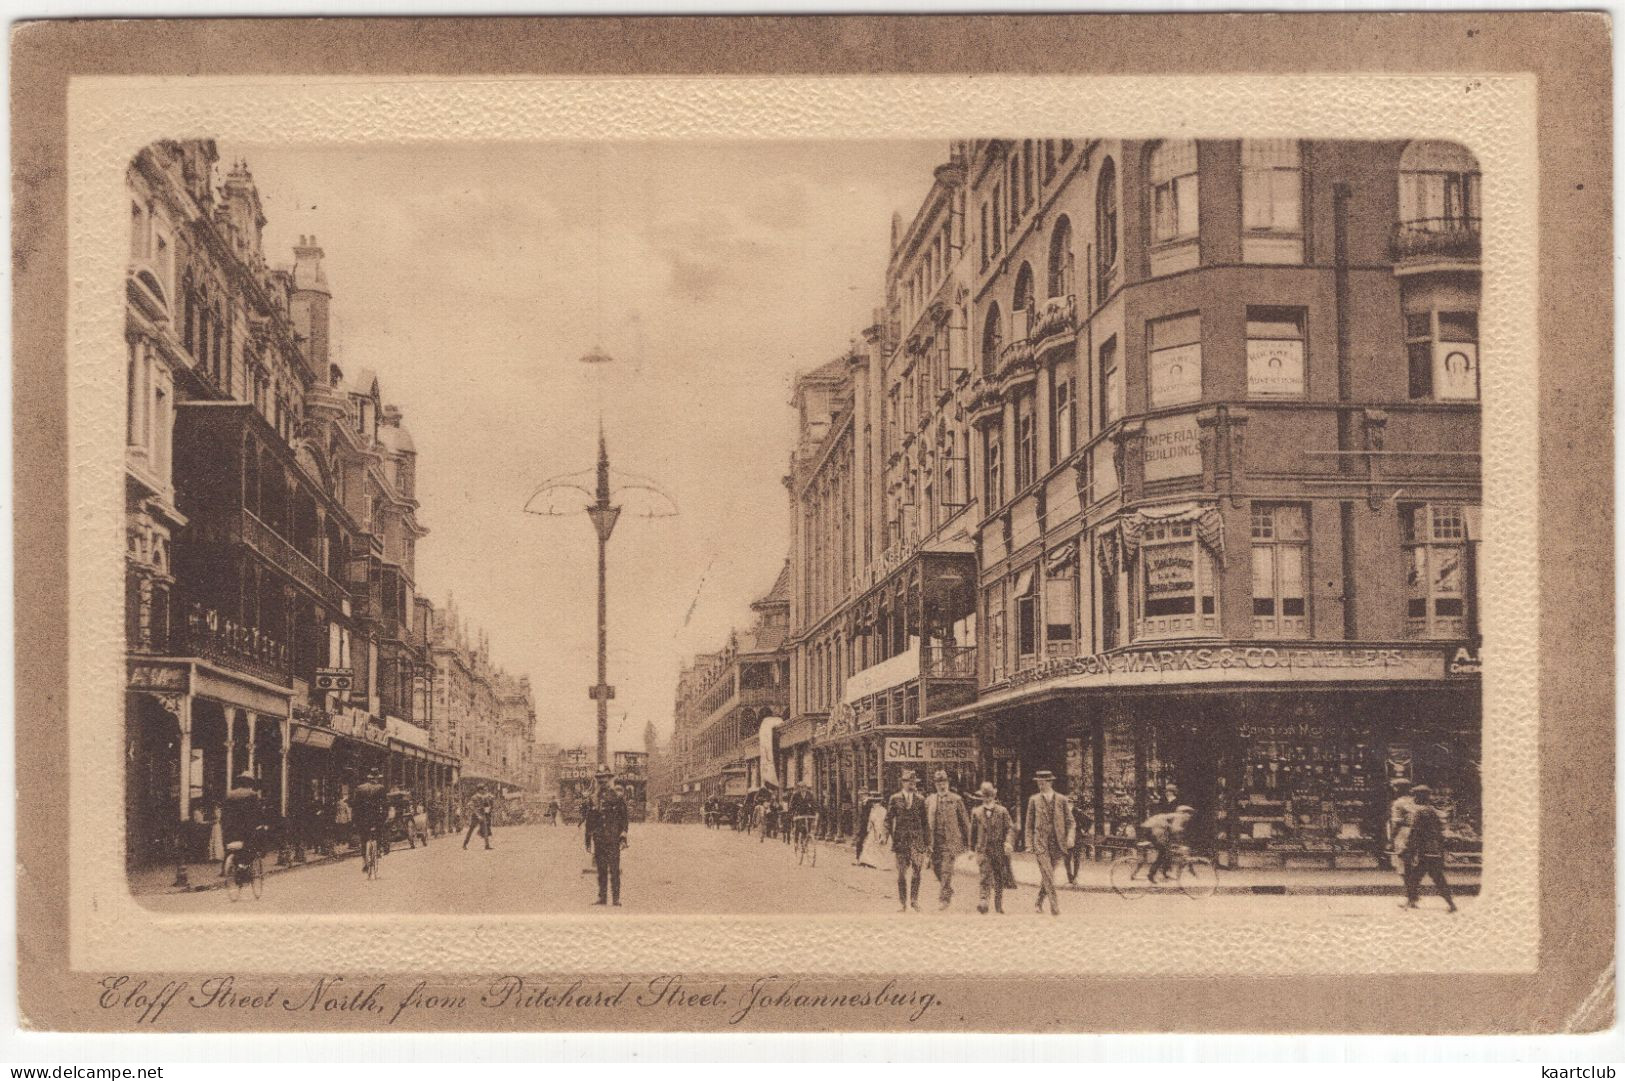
(1225, 404)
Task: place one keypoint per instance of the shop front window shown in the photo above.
(1434, 536)
(1175, 584)
(1280, 562)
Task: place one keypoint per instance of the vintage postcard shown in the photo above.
(683, 539)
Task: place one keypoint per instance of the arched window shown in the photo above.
(1438, 188)
(1171, 173)
(992, 340)
(1060, 259)
(1106, 235)
(1024, 299)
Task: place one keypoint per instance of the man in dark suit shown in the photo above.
(948, 828)
(905, 821)
(605, 824)
(1423, 852)
(992, 838)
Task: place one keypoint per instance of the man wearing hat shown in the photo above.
(605, 824)
(481, 807)
(1050, 833)
(992, 838)
(241, 815)
(905, 821)
(947, 824)
(1423, 853)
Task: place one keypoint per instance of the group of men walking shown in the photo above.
(939, 827)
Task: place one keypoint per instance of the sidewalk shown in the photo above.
(206, 876)
(1095, 877)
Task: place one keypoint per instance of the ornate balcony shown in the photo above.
(950, 662)
(1433, 240)
(204, 632)
(1056, 319)
(288, 559)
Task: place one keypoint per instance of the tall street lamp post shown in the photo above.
(563, 495)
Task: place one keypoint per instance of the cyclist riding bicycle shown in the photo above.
(370, 811)
(1164, 832)
(242, 818)
(803, 809)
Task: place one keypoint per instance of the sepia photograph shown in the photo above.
(1093, 519)
(715, 548)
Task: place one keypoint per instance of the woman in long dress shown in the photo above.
(875, 840)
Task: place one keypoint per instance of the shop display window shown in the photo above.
(1120, 781)
(1310, 789)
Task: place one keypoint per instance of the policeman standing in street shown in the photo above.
(605, 823)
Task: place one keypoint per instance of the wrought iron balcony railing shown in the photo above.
(1435, 238)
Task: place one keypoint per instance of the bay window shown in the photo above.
(1434, 539)
(1174, 582)
(1280, 536)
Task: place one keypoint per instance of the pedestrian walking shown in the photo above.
(905, 823)
(873, 840)
(481, 807)
(1082, 826)
(1400, 813)
(1050, 832)
(948, 827)
(605, 824)
(1423, 853)
(992, 838)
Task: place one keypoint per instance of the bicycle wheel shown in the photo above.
(1198, 878)
(234, 885)
(1128, 876)
(372, 859)
(801, 849)
(258, 881)
(812, 852)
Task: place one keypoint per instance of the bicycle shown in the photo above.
(1194, 876)
(241, 872)
(806, 844)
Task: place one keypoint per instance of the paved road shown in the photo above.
(692, 870)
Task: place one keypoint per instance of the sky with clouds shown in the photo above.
(472, 278)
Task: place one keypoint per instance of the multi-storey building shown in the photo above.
(723, 698)
(1017, 509)
(482, 714)
(1263, 339)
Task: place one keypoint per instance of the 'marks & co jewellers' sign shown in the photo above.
(1217, 663)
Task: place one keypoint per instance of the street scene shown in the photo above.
(1077, 528)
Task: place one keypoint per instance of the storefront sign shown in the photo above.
(1170, 571)
(1172, 448)
(1464, 662)
(1274, 369)
(356, 725)
(918, 749)
(1227, 663)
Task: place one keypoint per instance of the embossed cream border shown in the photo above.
(111, 118)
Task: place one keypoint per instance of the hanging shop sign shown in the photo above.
(918, 749)
(333, 679)
(356, 725)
